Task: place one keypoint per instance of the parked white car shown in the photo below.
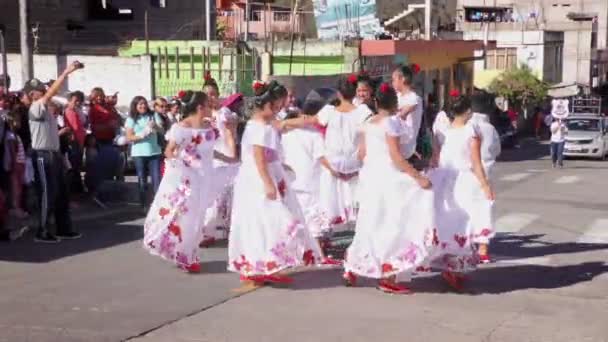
(587, 136)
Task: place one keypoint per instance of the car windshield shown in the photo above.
(590, 125)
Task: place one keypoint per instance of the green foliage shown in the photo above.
(520, 86)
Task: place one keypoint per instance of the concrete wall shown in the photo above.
(131, 76)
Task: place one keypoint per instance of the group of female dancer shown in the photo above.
(292, 184)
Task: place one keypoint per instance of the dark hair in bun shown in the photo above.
(347, 86)
(192, 99)
(460, 105)
(406, 72)
(210, 82)
(266, 93)
(386, 98)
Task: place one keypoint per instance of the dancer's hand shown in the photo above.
(424, 182)
(489, 192)
(271, 191)
(348, 176)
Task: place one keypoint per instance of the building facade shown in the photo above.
(560, 40)
(98, 26)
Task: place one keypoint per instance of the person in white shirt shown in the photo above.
(559, 131)
(410, 108)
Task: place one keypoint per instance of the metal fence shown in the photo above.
(233, 68)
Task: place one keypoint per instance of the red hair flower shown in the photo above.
(384, 88)
(208, 76)
(257, 85)
(181, 94)
(415, 68)
(454, 93)
(353, 79)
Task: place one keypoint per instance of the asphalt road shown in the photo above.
(549, 281)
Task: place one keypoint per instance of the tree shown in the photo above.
(520, 86)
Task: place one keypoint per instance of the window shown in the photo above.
(501, 59)
(281, 16)
(255, 16)
(488, 14)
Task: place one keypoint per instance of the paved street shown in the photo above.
(549, 281)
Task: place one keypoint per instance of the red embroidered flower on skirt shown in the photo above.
(461, 240)
(162, 212)
(197, 139)
(386, 268)
(485, 232)
(176, 230)
(282, 187)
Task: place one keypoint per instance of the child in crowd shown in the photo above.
(14, 163)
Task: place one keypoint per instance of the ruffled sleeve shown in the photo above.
(175, 134)
(263, 135)
(324, 114)
(394, 126)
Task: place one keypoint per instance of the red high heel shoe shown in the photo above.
(278, 279)
(393, 288)
(329, 261)
(350, 279)
(484, 259)
(193, 268)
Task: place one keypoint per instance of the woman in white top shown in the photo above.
(174, 225)
(217, 217)
(463, 197)
(559, 131)
(267, 233)
(395, 221)
(338, 178)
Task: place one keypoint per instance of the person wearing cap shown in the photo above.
(49, 167)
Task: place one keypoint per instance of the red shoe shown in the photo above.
(278, 279)
(453, 280)
(391, 288)
(484, 259)
(194, 268)
(350, 279)
(257, 279)
(329, 261)
(208, 242)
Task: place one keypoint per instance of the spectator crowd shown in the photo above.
(58, 150)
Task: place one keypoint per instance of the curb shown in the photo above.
(101, 213)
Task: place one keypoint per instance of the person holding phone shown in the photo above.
(143, 128)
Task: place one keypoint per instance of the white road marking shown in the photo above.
(567, 180)
(138, 222)
(597, 232)
(537, 170)
(514, 177)
(537, 261)
(514, 222)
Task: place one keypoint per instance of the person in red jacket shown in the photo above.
(105, 123)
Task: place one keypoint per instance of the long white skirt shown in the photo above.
(393, 235)
(173, 227)
(338, 199)
(267, 236)
(463, 218)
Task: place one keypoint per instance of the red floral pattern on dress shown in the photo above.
(197, 139)
(485, 232)
(282, 187)
(175, 230)
(461, 240)
(162, 212)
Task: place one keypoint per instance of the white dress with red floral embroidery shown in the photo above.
(394, 230)
(218, 216)
(338, 198)
(303, 149)
(266, 236)
(174, 226)
(462, 214)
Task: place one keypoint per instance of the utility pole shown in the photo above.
(3, 51)
(26, 52)
(427, 20)
(247, 10)
(208, 19)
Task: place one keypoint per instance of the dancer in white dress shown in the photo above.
(217, 218)
(304, 152)
(490, 150)
(268, 232)
(461, 214)
(173, 228)
(395, 224)
(410, 107)
(339, 180)
(365, 92)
